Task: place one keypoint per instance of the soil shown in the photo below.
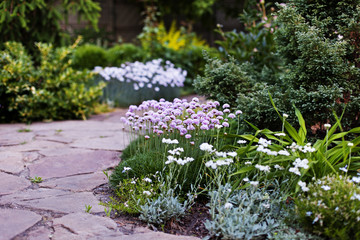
(192, 224)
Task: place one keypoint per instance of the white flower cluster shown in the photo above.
(262, 147)
(206, 147)
(149, 74)
(225, 154)
(263, 168)
(303, 186)
(179, 161)
(220, 162)
(299, 164)
(176, 151)
(304, 149)
(169, 141)
(355, 196)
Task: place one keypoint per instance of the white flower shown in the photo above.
(248, 163)
(264, 142)
(126, 169)
(340, 37)
(285, 115)
(344, 169)
(325, 187)
(355, 196)
(147, 180)
(206, 147)
(169, 141)
(232, 154)
(263, 168)
(228, 205)
(254, 183)
(327, 126)
(350, 144)
(266, 205)
(295, 170)
(241, 141)
(246, 179)
(280, 134)
(308, 214)
(277, 166)
(133, 182)
(356, 179)
(147, 193)
(301, 163)
(284, 153)
(303, 186)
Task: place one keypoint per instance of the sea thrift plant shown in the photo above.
(185, 119)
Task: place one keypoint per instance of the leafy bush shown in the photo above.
(331, 207)
(222, 81)
(52, 90)
(237, 84)
(123, 53)
(89, 56)
(319, 43)
(256, 43)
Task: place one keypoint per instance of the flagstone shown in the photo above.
(14, 222)
(73, 164)
(78, 183)
(11, 184)
(54, 200)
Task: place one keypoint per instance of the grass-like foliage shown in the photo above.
(289, 155)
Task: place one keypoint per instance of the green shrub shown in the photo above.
(89, 56)
(331, 207)
(319, 43)
(51, 90)
(222, 81)
(123, 53)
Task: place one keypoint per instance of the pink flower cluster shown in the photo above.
(180, 115)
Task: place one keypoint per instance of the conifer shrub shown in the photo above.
(319, 42)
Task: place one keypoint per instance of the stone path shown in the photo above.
(70, 157)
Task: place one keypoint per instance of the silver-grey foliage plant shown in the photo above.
(244, 214)
(162, 209)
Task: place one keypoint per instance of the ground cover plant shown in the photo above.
(49, 90)
(135, 82)
(249, 180)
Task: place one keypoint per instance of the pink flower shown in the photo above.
(187, 136)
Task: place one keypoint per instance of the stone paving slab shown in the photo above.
(114, 143)
(11, 162)
(78, 183)
(73, 164)
(15, 138)
(58, 201)
(14, 222)
(84, 226)
(12, 184)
